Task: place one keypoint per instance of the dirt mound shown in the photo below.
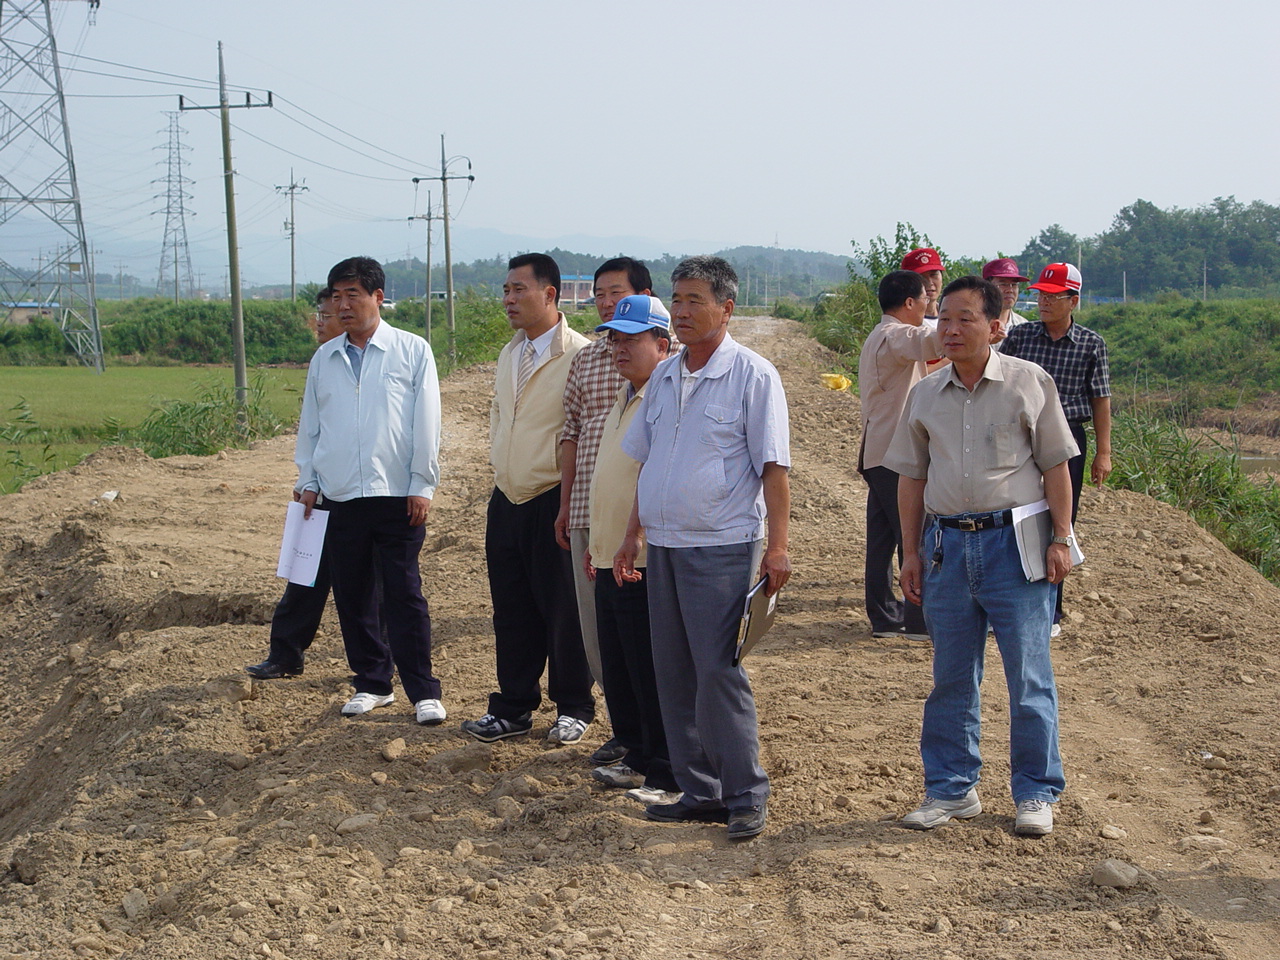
(156, 803)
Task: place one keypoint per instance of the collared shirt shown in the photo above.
(1077, 361)
(982, 450)
(613, 484)
(701, 485)
(376, 436)
(588, 396)
(892, 361)
(541, 344)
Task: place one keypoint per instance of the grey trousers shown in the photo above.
(586, 593)
(695, 604)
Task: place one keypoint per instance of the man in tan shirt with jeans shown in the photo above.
(976, 440)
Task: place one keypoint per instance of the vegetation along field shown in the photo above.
(51, 417)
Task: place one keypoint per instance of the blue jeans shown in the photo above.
(979, 581)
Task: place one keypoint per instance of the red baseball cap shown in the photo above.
(922, 260)
(1002, 268)
(1058, 278)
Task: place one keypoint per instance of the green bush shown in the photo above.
(1203, 477)
(205, 425)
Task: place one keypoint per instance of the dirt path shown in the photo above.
(154, 803)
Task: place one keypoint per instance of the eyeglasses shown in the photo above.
(1050, 297)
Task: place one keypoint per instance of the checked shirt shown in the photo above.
(1077, 361)
(588, 397)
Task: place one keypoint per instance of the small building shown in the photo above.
(577, 288)
(24, 311)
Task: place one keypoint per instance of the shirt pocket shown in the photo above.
(720, 426)
(1004, 440)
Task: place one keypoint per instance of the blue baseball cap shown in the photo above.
(638, 313)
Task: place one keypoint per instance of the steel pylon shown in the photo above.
(41, 218)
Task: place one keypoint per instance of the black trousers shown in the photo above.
(630, 684)
(362, 533)
(1075, 467)
(535, 611)
(884, 540)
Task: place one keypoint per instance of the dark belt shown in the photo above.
(977, 521)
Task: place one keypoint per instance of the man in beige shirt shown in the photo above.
(639, 334)
(535, 613)
(977, 439)
(891, 363)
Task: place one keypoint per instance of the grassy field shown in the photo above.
(52, 417)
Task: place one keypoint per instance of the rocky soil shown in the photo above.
(156, 803)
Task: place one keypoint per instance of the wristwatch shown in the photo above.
(1066, 541)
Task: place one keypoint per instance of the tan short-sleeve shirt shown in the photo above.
(892, 361)
(613, 483)
(982, 450)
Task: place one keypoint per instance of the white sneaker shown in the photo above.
(651, 795)
(364, 702)
(429, 712)
(934, 812)
(567, 730)
(1055, 630)
(1035, 818)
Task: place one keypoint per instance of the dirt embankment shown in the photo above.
(155, 803)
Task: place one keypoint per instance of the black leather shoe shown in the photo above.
(678, 812)
(272, 670)
(746, 822)
(611, 751)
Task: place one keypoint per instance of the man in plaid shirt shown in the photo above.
(589, 394)
(1076, 358)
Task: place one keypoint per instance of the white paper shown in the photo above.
(302, 545)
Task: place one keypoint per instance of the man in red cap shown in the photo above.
(926, 262)
(1004, 273)
(1076, 358)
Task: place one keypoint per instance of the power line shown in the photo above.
(312, 160)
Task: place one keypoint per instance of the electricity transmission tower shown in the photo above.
(175, 255)
(40, 208)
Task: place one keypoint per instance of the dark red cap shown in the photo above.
(1002, 268)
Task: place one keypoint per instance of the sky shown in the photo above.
(665, 127)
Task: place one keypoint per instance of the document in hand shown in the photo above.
(757, 617)
(1033, 529)
(302, 545)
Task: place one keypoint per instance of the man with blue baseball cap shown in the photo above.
(639, 337)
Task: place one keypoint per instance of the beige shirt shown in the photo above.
(891, 363)
(613, 484)
(982, 450)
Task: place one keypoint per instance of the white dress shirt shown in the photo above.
(378, 436)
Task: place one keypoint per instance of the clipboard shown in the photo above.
(1033, 530)
(758, 612)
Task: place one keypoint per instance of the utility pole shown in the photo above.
(444, 179)
(233, 250)
(428, 216)
(292, 226)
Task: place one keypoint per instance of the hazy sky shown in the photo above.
(665, 126)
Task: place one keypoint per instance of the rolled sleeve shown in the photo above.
(768, 427)
(908, 453)
(1051, 440)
